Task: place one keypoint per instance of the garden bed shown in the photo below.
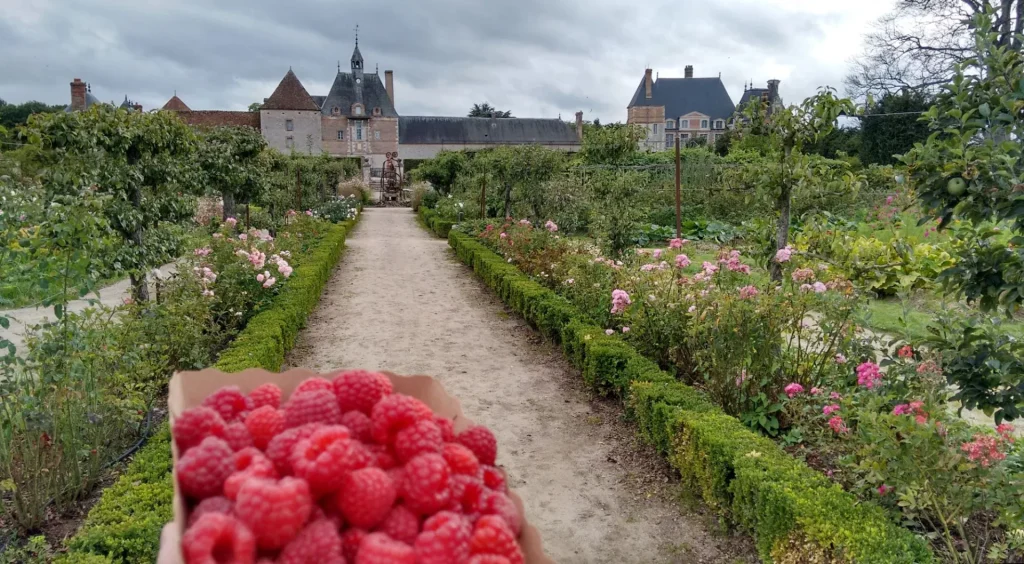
(125, 524)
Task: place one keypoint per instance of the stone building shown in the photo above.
(358, 118)
(684, 108)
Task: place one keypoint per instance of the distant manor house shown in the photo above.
(357, 118)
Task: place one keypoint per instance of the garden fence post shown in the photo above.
(483, 198)
(298, 188)
(679, 205)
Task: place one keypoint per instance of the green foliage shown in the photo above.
(618, 214)
(232, 161)
(891, 126)
(486, 110)
(442, 170)
(419, 192)
(298, 182)
(13, 115)
(612, 144)
(338, 210)
(741, 475)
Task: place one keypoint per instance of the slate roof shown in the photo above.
(290, 95)
(681, 96)
(419, 130)
(370, 92)
(175, 104)
(319, 100)
(750, 94)
(90, 101)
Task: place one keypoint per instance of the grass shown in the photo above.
(910, 322)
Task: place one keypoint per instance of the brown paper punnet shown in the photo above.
(189, 389)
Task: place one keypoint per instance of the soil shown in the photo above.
(400, 301)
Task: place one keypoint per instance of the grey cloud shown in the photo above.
(537, 58)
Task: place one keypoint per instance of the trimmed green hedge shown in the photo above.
(124, 526)
(433, 222)
(794, 512)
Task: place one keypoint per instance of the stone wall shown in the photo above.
(306, 135)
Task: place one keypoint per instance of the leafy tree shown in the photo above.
(442, 170)
(840, 142)
(232, 160)
(612, 144)
(144, 161)
(884, 135)
(12, 115)
(486, 110)
(920, 43)
(783, 136)
(597, 122)
(255, 107)
(524, 169)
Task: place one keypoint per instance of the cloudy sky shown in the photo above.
(538, 58)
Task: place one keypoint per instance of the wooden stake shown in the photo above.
(679, 205)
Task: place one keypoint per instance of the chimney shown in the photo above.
(773, 91)
(688, 71)
(77, 95)
(648, 83)
(389, 85)
(137, 107)
(579, 125)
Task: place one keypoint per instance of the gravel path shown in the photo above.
(401, 302)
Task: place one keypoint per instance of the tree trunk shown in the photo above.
(508, 199)
(229, 204)
(140, 289)
(782, 228)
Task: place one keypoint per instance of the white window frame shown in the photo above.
(703, 124)
(654, 129)
(670, 124)
(341, 135)
(684, 124)
(669, 140)
(719, 124)
(359, 131)
(289, 125)
(684, 136)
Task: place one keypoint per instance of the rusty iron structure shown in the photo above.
(391, 190)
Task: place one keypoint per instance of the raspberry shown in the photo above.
(219, 504)
(313, 384)
(350, 541)
(317, 406)
(460, 459)
(466, 491)
(326, 457)
(360, 390)
(445, 538)
(216, 537)
(397, 475)
(263, 423)
(491, 535)
(247, 463)
(494, 478)
(203, 469)
(265, 394)
(365, 497)
(237, 436)
(394, 413)
(447, 428)
(194, 425)
(421, 437)
(279, 449)
(318, 543)
(381, 456)
(378, 548)
(359, 424)
(228, 401)
(401, 524)
(488, 559)
(274, 511)
(481, 441)
(426, 488)
(491, 502)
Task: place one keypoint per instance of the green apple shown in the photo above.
(956, 186)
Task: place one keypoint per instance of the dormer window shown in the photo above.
(703, 124)
(684, 124)
(357, 109)
(670, 124)
(335, 111)
(376, 111)
(719, 124)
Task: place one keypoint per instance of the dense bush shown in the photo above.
(342, 208)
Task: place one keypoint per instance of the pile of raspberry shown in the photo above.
(345, 471)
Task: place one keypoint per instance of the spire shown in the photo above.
(357, 58)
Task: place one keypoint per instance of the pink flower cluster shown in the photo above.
(206, 275)
(620, 299)
(257, 259)
(309, 213)
(840, 358)
(830, 409)
(748, 292)
(884, 489)
(906, 352)
(550, 226)
(709, 268)
(525, 223)
(291, 213)
(682, 261)
(817, 288)
(838, 425)
(266, 279)
(742, 377)
(803, 275)
(282, 266)
(657, 253)
(677, 243)
(793, 389)
(732, 262)
(649, 267)
(915, 408)
(205, 251)
(869, 375)
(784, 254)
(231, 221)
(986, 449)
(929, 367)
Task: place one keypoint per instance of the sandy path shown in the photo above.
(399, 301)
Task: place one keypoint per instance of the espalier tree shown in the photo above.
(970, 169)
(232, 160)
(143, 161)
(781, 136)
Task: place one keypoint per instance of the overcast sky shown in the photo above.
(537, 58)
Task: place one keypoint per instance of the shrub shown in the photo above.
(339, 209)
(419, 192)
(355, 188)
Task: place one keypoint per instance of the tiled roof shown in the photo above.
(175, 104)
(218, 118)
(370, 92)
(681, 96)
(290, 95)
(431, 130)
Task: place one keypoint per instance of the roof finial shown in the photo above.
(357, 36)
(339, 65)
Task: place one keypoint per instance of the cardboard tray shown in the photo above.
(189, 389)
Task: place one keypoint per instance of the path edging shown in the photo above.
(794, 512)
(125, 524)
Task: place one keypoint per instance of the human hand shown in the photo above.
(170, 546)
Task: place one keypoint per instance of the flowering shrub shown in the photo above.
(341, 208)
